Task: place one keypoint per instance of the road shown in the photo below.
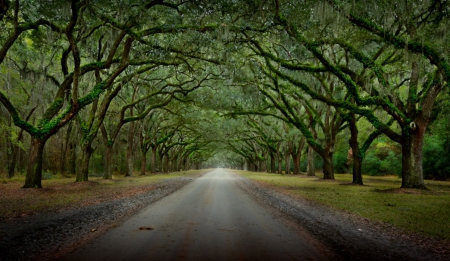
(211, 218)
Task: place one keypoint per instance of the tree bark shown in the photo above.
(34, 169)
(412, 172)
(311, 168)
(154, 159)
(62, 167)
(287, 162)
(143, 162)
(328, 170)
(272, 162)
(357, 157)
(130, 159)
(86, 154)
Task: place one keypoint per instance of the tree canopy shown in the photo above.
(267, 85)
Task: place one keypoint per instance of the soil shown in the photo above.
(46, 236)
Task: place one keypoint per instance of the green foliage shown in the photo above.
(436, 157)
(340, 162)
(382, 160)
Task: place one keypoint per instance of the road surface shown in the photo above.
(211, 218)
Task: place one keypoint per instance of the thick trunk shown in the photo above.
(83, 173)
(143, 162)
(412, 172)
(311, 168)
(272, 162)
(357, 157)
(280, 165)
(328, 170)
(108, 162)
(287, 163)
(357, 169)
(34, 168)
(130, 165)
(296, 160)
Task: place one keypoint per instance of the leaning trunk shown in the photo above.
(34, 168)
(412, 172)
(108, 162)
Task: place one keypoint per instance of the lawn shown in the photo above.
(381, 199)
(60, 192)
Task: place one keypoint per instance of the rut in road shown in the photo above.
(208, 219)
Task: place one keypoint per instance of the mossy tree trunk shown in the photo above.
(35, 158)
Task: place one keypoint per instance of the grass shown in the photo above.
(60, 192)
(381, 199)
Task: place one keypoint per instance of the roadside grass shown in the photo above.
(61, 192)
(380, 199)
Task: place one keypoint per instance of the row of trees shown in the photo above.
(158, 75)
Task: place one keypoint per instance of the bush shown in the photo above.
(340, 162)
(436, 158)
(385, 159)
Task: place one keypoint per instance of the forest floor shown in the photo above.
(46, 232)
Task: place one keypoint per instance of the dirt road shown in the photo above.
(208, 219)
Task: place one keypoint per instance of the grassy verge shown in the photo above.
(426, 212)
(63, 193)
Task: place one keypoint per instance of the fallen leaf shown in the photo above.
(93, 230)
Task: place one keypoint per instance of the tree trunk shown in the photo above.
(357, 157)
(143, 162)
(280, 160)
(154, 159)
(130, 160)
(86, 154)
(108, 162)
(12, 163)
(296, 160)
(412, 172)
(272, 162)
(287, 162)
(328, 170)
(311, 168)
(62, 167)
(34, 169)
(73, 158)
